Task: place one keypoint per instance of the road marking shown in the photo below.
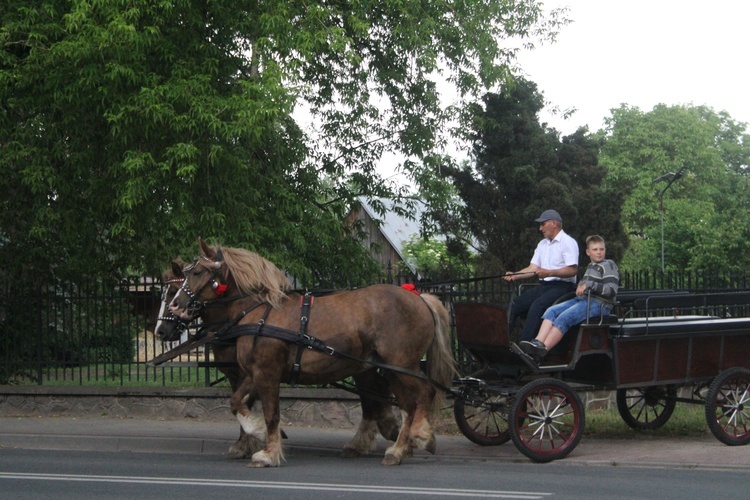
(389, 490)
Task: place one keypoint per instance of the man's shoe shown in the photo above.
(534, 348)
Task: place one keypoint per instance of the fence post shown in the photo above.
(39, 335)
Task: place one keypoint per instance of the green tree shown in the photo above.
(129, 128)
(706, 211)
(432, 257)
(521, 168)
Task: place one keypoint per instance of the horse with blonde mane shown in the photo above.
(285, 337)
(375, 395)
(169, 328)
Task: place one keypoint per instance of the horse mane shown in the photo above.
(255, 275)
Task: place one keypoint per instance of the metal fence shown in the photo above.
(99, 334)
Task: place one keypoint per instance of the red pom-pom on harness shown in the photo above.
(411, 288)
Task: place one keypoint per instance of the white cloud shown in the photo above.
(642, 53)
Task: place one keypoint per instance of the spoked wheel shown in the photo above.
(483, 418)
(646, 407)
(728, 407)
(548, 420)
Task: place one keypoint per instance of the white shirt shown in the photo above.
(562, 251)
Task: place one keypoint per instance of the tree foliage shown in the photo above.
(129, 128)
(522, 168)
(432, 257)
(706, 222)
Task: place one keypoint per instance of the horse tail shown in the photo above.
(441, 367)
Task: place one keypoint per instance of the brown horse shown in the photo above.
(375, 395)
(344, 334)
(169, 328)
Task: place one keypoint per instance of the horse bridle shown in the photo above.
(194, 306)
(169, 317)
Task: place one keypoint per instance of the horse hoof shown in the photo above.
(431, 446)
(351, 453)
(391, 460)
(245, 447)
(235, 454)
(257, 465)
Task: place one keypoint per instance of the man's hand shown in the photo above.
(543, 273)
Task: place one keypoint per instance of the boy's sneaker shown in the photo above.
(534, 348)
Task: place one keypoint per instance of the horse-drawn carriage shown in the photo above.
(268, 334)
(656, 344)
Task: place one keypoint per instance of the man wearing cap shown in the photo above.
(555, 264)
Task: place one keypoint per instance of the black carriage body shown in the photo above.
(640, 346)
(678, 352)
(655, 344)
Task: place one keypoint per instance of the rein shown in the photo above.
(203, 336)
(196, 308)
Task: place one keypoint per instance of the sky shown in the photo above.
(643, 53)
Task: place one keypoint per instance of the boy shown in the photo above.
(600, 281)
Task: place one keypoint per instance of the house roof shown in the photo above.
(396, 229)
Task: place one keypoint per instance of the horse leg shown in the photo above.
(246, 444)
(377, 415)
(253, 431)
(272, 454)
(383, 410)
(415, 397)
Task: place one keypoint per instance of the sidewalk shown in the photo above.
(209, 437)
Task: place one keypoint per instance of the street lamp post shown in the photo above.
(670, 178)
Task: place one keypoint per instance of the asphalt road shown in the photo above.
(196, 437)
(321, 473)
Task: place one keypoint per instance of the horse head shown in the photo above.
(203, 281)
(168, 327)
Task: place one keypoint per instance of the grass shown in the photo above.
(688, 420)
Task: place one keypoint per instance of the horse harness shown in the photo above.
(303, 340)
(231, 330)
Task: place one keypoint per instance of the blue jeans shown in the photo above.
(532, 303)
(570, 313)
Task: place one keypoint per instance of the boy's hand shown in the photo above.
(581, 289)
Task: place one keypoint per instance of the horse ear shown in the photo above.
(177, 266)
(207, 250)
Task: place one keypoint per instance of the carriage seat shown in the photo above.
(678, 325)
(482, 324)
(706, 303)
(482, 329)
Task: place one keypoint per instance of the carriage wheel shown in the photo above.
(728, 407)
(646, 408)
(483, 421)
(548, 420)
